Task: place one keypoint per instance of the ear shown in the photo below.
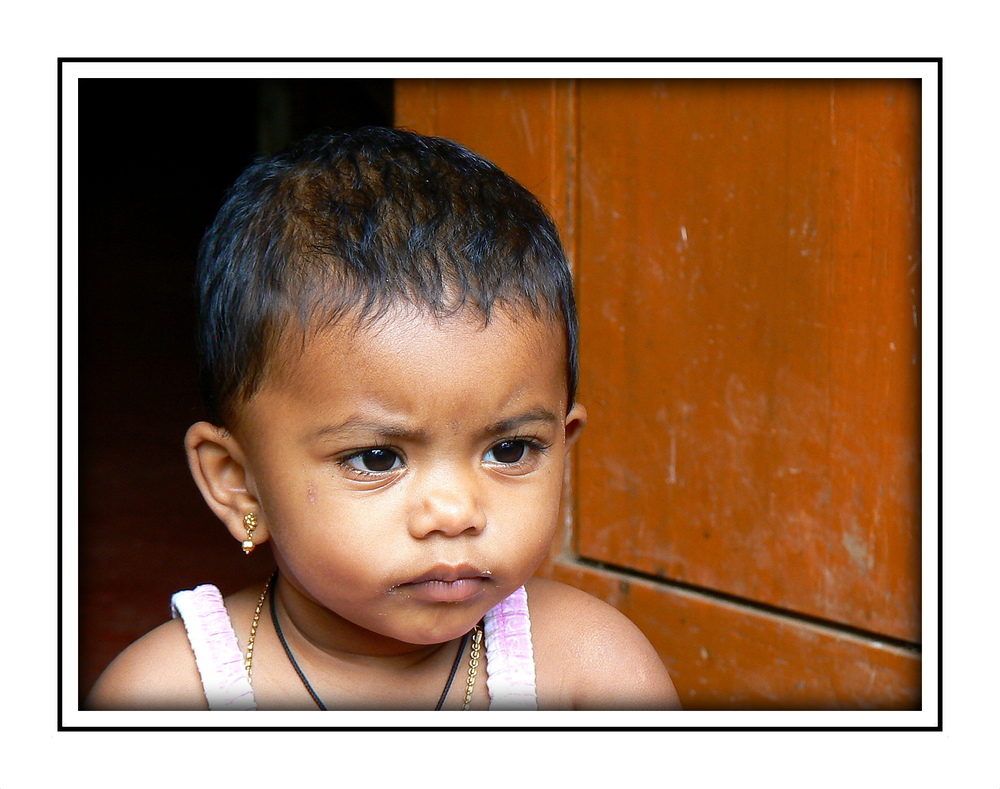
(576, 419)
(219, 469)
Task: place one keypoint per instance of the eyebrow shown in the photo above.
(398, 431)
(538, 414)
(386, 429)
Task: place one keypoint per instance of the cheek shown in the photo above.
(533, 512)
(330, 520)
(299, 508)
(282, 495)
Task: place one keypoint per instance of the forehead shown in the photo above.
(410, 360)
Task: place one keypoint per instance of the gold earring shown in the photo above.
(249, 523)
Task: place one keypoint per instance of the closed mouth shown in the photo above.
(449, 573)
(446, 584)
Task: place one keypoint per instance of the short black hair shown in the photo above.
(355, 222)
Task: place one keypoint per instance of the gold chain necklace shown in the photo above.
(477, 640)
(248, 661)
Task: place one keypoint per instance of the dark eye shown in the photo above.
(508, 452)
(374, 460)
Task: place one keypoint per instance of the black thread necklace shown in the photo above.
(305, 680)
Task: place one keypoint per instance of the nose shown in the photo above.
(449, 506)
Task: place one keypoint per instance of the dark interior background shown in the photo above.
(155, 159)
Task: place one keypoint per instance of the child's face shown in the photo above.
(409, 473)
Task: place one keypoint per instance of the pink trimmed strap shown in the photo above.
(216, 649)
(510, 664)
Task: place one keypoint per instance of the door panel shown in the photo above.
(726, 656)
(748, 316)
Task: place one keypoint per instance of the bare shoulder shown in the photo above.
(588, 655)
(157, 672)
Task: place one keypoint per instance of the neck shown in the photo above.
(315, 632)
(394, 675)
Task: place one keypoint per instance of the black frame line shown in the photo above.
(60, 726)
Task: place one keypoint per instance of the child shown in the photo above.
(388, 351)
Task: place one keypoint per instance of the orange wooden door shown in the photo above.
(747, 265)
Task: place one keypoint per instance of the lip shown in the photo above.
(446, 584)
